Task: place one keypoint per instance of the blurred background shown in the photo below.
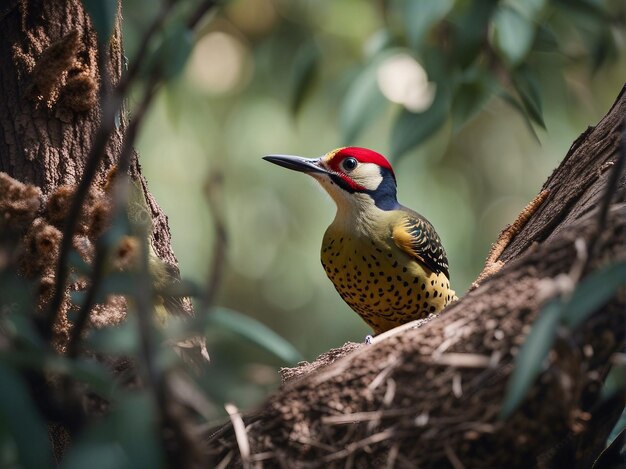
(304, 77)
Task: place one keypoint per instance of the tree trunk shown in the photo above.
(431, 396)
(49, 106)
(50, 112)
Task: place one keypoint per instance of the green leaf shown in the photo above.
(546, 40)
(126, 437)
(530, 360)
(76, 262)
(378, 42)
(86, 371)
(171, 55)
(139, 437)
(411, 129)
(602, 49)
(18, 413)
(593, 292)
(102, 13)
(531, 9)
(120, 340)
(118, 283)
(77, 298)
(180, 288)
(589, 9)
(22, 327)
(9, 457)
(615, 382)
(620, 426)
(469, 98)
(512, 35)
(421, 15)
(526, 85)
(519, 107)
(469, 21)
(362, 104)
(255, 332)
(305, 69)
(614, 454)
(174, 95)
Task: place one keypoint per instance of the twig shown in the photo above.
(462, 360)
(355, 417)
(396, 330)
(143, 302)
(457, 385)
(452, 457)
(390, 392)
(213, 191)
(157, 382)
(389, 366)
(317, 444)
(92, 292)
(351, 448)
(392, 455)
(240, 434)
(223, 464)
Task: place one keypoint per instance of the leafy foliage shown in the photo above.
(410, 128)
(171, 54)
(361, 103)
(39, 385)
(255, 332)
(305, 69)
(22, 423)
(499, 44)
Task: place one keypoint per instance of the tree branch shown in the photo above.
(440, 386)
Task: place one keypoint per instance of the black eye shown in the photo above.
(349, 164)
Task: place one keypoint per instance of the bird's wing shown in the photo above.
(417, 237)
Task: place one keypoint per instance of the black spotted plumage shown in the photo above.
(422, 241)
(386, 261)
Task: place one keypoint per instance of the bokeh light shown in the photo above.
(404, 81)
(219, 63)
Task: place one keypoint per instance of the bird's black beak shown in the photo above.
(297, 163)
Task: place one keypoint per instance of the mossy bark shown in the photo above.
(49, 106)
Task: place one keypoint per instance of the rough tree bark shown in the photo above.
(430, 396)
(49, 108)
(50, 111)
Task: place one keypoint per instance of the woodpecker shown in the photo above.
(385, 260)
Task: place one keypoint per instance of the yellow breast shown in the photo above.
(384, 285)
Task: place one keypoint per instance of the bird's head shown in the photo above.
(354, 177)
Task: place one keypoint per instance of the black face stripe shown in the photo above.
(384, 196)
(341, 183)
